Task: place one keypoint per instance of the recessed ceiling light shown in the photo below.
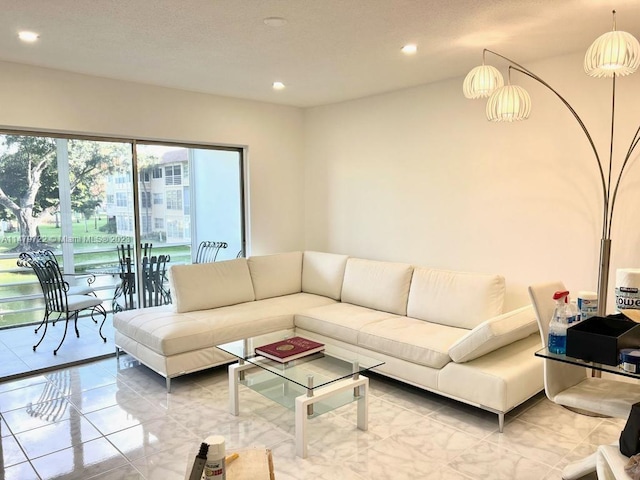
(278, 86)
(275, 21)
(409, 49)
(28, 36)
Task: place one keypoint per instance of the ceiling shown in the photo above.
(328, 51)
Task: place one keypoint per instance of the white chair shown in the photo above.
(570, 386)
(610, 463)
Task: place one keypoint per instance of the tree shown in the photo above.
(29, 179)
(88, 163)
(25, 167)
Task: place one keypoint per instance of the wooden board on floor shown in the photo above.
(251, 464)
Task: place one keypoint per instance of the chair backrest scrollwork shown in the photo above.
(51, 279)
(208, 251)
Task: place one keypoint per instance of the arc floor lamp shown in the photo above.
(615, 53)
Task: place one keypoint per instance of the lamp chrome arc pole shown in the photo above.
(607, 214)
(607, 199)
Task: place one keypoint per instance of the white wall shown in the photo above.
(416, 175)
(421, 176)
(49, 100)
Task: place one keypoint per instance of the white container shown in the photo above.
(587, 304)
(627, 289)
(214, 469)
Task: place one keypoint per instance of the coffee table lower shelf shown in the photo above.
(312, 403)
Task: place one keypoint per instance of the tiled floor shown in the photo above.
(16, 347)
(113, 419)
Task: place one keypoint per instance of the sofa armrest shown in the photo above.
(494, 333)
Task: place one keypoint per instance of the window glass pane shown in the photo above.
(83, 208)
(217, 207)
(73, 184)
(214, 202)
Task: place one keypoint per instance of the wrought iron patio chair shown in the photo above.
(125, 291)
(127, 250)
(154, 270)
(43, 256)
(208, 251)
(57, 298)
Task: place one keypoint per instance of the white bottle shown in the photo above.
(588, 304)
(574, 316)
(559, 323)
(214, 469)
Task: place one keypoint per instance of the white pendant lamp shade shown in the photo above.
(613, 53)
(481, 81)
(509, 104)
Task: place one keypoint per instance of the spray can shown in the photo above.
(214, 467)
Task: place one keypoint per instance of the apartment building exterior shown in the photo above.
(164, 197)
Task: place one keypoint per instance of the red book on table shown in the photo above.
(289, 349)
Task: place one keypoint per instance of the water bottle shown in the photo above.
(559, 324)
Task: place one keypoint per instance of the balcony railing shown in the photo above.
(21, 300)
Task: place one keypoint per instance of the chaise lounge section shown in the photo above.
(439, 330)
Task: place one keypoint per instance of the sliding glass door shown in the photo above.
(83, 198)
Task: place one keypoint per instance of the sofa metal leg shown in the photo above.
(168, 379)
(500, 422)
(117, 354)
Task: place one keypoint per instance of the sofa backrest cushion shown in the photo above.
(210, 285)
(323, 273)
(457, 299)
(276, 275)
(377, 285)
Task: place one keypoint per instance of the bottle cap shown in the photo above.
(563, 294)
(216, 445)
(588, 295)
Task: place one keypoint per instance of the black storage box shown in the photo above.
(600, 339)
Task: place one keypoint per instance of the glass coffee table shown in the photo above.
(311, 385)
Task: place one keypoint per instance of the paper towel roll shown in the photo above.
(627, 288)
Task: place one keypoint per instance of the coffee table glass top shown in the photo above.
(325, 367)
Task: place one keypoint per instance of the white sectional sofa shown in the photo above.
(439, 330)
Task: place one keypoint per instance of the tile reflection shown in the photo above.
(60, 435)
(80, 461)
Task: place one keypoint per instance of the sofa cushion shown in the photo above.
(409, 339)
(341, 321)
(322, 273)
(494, 333)
(377, 285)
(210, 285)
(169, 333)
(276, 275)
(457, 299)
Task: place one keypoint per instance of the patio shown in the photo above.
(17, 357)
